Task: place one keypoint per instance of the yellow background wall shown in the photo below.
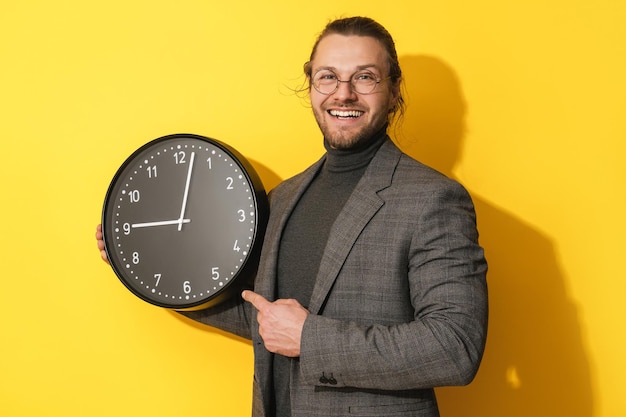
(522, 101)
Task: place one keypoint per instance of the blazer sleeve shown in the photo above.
(232, 316)
(444, 342)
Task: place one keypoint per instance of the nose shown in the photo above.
(345, 91)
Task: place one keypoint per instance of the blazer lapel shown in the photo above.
(361, 206)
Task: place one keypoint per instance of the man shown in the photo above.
(371, 287)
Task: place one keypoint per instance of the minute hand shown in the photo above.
(182, 209)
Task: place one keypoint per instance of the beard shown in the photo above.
(344, 139)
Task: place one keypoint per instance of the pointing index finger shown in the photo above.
(258, 301)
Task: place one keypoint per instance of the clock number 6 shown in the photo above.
(186, 287)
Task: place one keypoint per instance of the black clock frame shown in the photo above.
(244, 277)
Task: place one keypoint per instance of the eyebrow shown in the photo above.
(358, 68)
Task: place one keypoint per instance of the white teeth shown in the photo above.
(350, 113)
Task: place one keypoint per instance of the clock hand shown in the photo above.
(182, 210)
(161, 223)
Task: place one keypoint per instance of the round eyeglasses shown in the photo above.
(363, 82)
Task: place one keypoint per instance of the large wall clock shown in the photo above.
(183, 222)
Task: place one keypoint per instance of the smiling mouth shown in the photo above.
(345, 114)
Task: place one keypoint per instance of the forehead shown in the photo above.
(349, 53)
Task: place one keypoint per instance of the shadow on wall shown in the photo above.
(534, 363)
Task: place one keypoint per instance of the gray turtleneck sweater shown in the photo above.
(305, 235)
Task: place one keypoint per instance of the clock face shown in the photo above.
(183, 222)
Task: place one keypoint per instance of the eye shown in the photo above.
(365, 76)
(326, 76)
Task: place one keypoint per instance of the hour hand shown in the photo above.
(160, 223)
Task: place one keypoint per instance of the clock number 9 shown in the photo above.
(126, 228)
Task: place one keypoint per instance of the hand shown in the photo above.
(100, 240)
(280, 323)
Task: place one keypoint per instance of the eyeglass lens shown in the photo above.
(327, 82)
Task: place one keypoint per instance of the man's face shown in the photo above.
(347, 118)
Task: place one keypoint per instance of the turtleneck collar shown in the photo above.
(343, 160)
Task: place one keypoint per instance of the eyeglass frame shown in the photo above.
(351, 81)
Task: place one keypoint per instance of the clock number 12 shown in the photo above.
(180, 157)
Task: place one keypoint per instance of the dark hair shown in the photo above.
(364, 26)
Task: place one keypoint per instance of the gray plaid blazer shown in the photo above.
(400, 301)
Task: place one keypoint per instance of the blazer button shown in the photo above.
(331, 380)
(323, 379)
